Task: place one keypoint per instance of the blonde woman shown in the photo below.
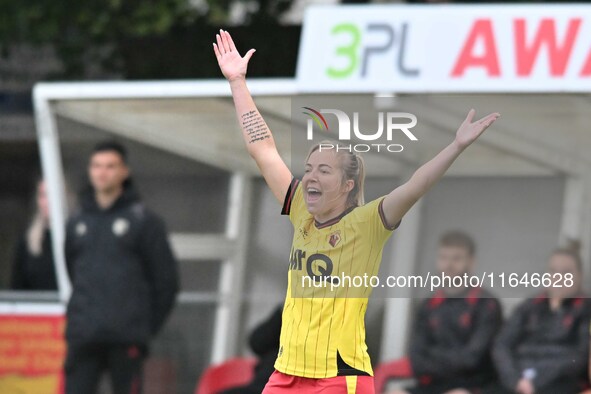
(322, 344)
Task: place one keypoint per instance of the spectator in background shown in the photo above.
(33, 267)
(543, 348)
(264, 342)
(455, 329)
(124, 278)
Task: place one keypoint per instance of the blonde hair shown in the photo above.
(572, 249)
(353, 168)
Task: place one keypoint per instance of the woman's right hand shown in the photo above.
(233, 65)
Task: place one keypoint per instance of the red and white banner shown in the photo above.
(32, 351)
(446, 48)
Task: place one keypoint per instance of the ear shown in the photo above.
(127, 171)
(349, 185)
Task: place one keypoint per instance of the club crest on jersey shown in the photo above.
(120, 226)
(334, 238)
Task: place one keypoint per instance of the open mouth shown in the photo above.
(313, 194)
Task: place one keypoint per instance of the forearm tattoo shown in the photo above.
(254, 127)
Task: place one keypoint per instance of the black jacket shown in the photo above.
(554, 343)
(31, 272)
(264, 342)
(452, 339)
(123, 273)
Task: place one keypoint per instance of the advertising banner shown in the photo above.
(446, 48)
(32, 351)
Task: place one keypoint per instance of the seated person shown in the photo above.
(455, 329)
(543, 348)
(264, 342)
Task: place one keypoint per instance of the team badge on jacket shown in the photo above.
(334, 238)
(120, 226)
(80, 229)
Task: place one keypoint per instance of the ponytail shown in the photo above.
(357, 172)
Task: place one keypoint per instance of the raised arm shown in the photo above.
(401, 199)
(257, 136)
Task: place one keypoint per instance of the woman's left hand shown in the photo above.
(469, 131)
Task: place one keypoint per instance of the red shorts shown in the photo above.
(280, 383)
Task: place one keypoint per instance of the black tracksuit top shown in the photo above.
(554, 343)
(123, 273)
(31, 272)
(452, 338)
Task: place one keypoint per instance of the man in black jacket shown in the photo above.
(455, 329)
(124, 278)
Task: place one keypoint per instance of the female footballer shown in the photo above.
(322, 344)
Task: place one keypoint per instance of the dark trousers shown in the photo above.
(560, 386)
(441, 388)
(85, 364)
(473, 384)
